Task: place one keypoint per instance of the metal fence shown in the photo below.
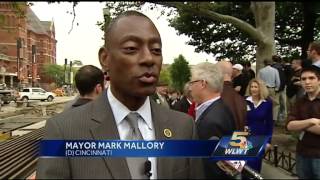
(284, 160)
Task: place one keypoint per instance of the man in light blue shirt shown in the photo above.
(270, 76)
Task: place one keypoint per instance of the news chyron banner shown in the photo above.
(240, 146)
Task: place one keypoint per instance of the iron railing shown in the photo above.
(284, 160)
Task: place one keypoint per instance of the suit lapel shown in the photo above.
(106, 128)
(160, 121)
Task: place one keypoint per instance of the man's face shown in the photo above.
(196, 87)
(134, 57)
(310, 82)
(310, 53)
(295, 64)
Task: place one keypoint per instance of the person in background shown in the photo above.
(238, 79)
(231, 98)
(213, 117)
(294, 89)
(161, 95)
(174, 97)
(313, 53)
(282, 112)
(184, 103)
(89, 81)
(247, 71)
(270, 76)
(304, 118)
(259, 115)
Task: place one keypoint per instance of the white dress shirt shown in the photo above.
(251, 100)
(145, 125)
(317, 63)
(202, 107)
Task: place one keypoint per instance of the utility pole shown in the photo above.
(18, 60)
(65, 71)
(32, 65)
(70, 71)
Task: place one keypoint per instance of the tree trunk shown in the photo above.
(264, 13)
(309, 21)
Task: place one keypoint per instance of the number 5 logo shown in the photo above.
(239, 139)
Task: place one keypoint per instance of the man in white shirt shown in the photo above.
(133, 57)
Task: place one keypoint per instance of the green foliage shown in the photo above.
(179, 73)
(165, 76)
(224, 40)
(77, 62)
(56, 72)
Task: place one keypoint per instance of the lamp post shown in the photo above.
(18, 60)
(70, 71)
(32, 64)
(65, 71)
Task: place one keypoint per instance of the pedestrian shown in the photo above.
(132, 56)
(259, 115)
(270, 76)
(304, 118)
(231, 98)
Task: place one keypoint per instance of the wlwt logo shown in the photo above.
(238, 145)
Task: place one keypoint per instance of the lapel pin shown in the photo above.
(167, 133)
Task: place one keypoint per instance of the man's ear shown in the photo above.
(98, 89)
(103, 59)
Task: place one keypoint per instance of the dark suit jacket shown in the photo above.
(182, 105)
(236, 104)
(95, 121)
(216, 120)
(80, 102)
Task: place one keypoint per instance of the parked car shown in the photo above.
(6, 96)
(35, 94)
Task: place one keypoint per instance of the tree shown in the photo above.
(179, 73)
(77, 63)
(165, 76)
(262, 32)
(56, 72)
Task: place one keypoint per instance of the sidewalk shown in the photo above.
(270, 172)
(11, 109)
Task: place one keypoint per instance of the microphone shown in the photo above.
(147, 168)
(238, 166)
(252, 172)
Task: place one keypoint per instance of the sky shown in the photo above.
(84, 41)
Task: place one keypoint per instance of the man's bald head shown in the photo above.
(226, 68)
(111, 26)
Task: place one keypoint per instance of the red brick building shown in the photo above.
(20, 27)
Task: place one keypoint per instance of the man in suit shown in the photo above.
(90, 84)
(132, 57)
(185, 102)
(213, 117)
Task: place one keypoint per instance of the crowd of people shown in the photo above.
(218, 100)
